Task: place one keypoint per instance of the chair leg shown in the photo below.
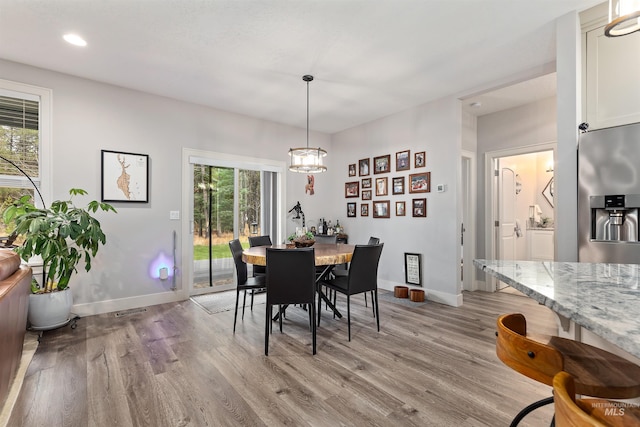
(235, 316)
(529, 409)
(244, 302)
(267, 323)
(319, 309)
(334, 302)
(365, 300)
(312, 308)
(349, 315)
(377, 312)
(253, 292)
(373, 308)
(280, 317)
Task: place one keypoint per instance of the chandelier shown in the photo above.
(307, 159)
(624, 18)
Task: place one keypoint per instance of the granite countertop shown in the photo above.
(603, 298)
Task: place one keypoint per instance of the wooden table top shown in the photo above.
(326, 253)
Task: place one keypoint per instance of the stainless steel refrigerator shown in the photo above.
(609, 195)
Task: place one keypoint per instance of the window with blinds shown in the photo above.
(19, 151)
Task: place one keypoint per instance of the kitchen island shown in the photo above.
(601, 298)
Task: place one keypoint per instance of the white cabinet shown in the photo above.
(612, 83)
(540, 244)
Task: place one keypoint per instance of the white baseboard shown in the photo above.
(110, 306)
(435, 296)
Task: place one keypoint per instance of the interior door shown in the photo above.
(506, 216)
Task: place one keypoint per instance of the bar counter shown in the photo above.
(602, 298)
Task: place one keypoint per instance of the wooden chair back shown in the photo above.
(536, 360)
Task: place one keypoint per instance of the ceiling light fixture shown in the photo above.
(305, 159)
(75, 40)
(624, 18)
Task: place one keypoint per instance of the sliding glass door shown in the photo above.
(226, 206)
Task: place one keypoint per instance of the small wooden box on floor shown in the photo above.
(401, 292)
(416, 295)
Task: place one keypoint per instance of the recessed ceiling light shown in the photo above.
(74, 39)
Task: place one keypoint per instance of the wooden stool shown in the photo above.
(596, 372)
(416, 295)
(400, 291)
(572, 412)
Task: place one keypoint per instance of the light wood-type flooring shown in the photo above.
(176, 365)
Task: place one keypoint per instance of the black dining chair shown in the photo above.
(245, 283)
(362, 277)
(259, 241)
(291, 279)
(321, 238)
(343, 269)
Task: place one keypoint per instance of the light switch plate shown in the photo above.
(440, 188)
(174, 214)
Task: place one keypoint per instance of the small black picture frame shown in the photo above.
(124, 177)
(351, 209)
(413, 268)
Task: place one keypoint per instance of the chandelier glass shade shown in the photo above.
(624, 18)
(307, 159)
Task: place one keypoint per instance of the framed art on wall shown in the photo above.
(352, 169)
(381, 186)
(400, 209)
(381, 164)
(402, 160)
(125, 177)
(366, 194)
(366, 182)
(420, 182)
(381, 209)
(352, 189)
(419, 207)
(364, 209)
(397, 186)
(364, 167)
(351, 209)
(420, 160)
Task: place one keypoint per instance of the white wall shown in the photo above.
(436, 129)
(528, 125)
(90, 116)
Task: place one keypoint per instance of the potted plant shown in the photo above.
(305, 240)
(63, 235)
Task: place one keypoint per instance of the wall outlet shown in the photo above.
(440, 188)
(174, 214)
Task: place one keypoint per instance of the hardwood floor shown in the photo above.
(176, 365)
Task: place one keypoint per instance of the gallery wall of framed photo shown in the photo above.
(390, 186)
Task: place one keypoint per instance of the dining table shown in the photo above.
(327, 255)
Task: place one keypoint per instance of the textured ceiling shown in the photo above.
(370, 58)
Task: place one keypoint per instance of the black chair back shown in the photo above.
(374, 241)
(260, 241)
(363, 270)
(241, 266)
(291, 276)
(332, 240)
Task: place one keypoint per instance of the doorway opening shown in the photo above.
(226, 197)
(520, 217)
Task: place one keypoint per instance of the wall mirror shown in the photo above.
(548, 192)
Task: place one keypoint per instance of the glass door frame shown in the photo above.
(210, 158)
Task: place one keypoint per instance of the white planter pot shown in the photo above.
(50, 310)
